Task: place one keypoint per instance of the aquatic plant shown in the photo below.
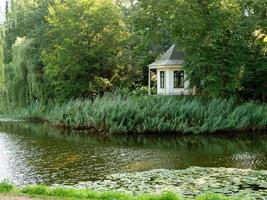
(141, 114)
(215, 197)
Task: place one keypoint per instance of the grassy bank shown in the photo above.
(70, 193)
(140, 114)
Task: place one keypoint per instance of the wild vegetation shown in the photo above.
(61, 61)
(67, 193)
(56, 50)
(141, 114)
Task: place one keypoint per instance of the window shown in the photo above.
(178, 79)
(162, 79)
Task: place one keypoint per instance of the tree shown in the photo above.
(25, 30)
(2, 73)
(255, 70)
(222, 55)
(84, 47)
(21, 79)
(85, 40)
(149, 23)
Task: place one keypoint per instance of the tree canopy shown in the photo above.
(85, 43)
(62, 49)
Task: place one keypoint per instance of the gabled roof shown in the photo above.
(170, 58)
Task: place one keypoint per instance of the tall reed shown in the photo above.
(141, 114)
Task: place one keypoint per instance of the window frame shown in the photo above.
(178, 79)
(162, 79)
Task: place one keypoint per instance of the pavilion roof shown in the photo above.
(170, 58)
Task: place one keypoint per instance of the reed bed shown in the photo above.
(160, 114)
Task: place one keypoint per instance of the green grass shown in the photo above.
(6, 187)
(142, 114)
(70, 193)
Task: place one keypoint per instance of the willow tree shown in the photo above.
(22, 78)
(25, 30)
(2, 74)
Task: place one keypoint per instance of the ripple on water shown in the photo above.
(40, 154)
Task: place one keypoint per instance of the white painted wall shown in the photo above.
(169, 84)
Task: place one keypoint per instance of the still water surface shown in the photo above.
(37, 153)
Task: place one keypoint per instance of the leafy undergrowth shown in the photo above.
(141, 114)
(70, 193)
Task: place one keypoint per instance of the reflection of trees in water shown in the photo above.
(205, 143)
(50, 155)
(62, 155)
(42, 155)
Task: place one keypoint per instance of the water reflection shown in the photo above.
(40, 154)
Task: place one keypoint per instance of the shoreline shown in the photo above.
(223, 132)
(86, 130)
(190, 183)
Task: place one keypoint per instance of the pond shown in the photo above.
(37, 153)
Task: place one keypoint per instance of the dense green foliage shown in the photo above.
(83, 57)
(62, 193)
(57, 50)
(21, 77)
(2, 73)
(24, 40)
(224, 57)
(140, 114)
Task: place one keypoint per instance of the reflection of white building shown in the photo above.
(171, 77)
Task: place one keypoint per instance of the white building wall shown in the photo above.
(161, 91)
(169, 83)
